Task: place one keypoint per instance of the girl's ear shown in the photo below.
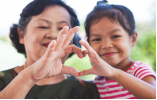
(20, 34)
(134, 39)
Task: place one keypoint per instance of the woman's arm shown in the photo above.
(48, 65)
(19, 86)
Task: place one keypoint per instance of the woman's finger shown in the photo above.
(61, 37)
(85, 72)
(50, 47)
(70, 70)
(73, 49)
(70, 36)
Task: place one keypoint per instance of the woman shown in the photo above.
(41, 37)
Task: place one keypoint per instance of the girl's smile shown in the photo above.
(109, 54)
(111, 42)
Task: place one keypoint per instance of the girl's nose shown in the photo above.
(106, 44)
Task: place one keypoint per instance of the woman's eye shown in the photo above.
(96, 39)
(43, 27)
(115, 36)
(60, 28)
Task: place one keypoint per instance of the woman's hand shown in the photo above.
(100, 67)
(50, 63)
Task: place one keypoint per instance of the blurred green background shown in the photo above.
(144, 50)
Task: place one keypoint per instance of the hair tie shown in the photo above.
(102, 2)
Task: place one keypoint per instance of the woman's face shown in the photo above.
(42, 29)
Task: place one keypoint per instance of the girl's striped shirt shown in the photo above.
(110, 89)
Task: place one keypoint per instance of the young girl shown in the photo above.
(111, 34)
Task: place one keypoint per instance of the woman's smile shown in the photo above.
(46, 44)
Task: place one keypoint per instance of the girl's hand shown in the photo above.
(50, 63)
(100, 67)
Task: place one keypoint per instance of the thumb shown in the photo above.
(70, 70)
(85, 72)
(50, 47)
(52, 44)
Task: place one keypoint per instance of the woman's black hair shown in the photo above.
(35, 8)
(115, 13)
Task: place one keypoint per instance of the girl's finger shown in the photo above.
(85, 72)
(61, 37)
(85, 44)
(70, 70)
(84, 53)
(70, 36)
(96, 57)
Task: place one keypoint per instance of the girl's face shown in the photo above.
(110, 41)
(42, 29)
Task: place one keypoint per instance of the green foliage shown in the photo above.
(80, 65)
(3, 38)
(145, 49)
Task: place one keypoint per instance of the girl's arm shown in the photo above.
(139, 88)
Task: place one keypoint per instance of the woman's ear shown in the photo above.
(20, 34)
(134, 39)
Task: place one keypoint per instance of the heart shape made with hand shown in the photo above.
(50, 63)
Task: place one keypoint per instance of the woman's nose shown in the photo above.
(52, 34)
(106, 44)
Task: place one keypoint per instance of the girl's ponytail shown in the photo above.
(102, 2)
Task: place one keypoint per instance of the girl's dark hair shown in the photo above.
(115, 13)
(35, 8)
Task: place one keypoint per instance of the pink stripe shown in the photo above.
(132, 98)
(144, 74)
(115, 96)
(114, 91)
(138, 69)
(109, 81)
(147, 75)
(100, 83)
(110, 86)
(136, 74)
(102, 93)
(102, 98)
(101, 88)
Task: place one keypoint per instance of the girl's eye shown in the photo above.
(115, 36)
(43, 27)
(96, 39)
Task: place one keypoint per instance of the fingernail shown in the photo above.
(83, 41)
(65, 27)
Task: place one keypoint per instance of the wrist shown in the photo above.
(115, 74)
(28, 75)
